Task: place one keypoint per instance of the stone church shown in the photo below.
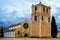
(41, 25)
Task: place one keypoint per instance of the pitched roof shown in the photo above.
(9, 30)
(13, 25)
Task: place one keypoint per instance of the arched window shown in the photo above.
(43, 8)
(47, 10)
(48, 19)
(18, 32)
(25, 25)
(35, 8)
(35, 18)
(42, 18)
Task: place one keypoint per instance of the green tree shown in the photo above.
(53, 28)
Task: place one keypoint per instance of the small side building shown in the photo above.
(11, 30)
(9, 33)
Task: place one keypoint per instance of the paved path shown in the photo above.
(29, 38)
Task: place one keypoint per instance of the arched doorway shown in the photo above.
(26, 35)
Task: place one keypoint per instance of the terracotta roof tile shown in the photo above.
(14, 25)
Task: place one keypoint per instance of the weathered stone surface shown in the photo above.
(41, 27)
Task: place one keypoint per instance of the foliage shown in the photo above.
(53, 28)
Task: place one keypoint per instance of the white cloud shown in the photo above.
(54, 11)
(23, 7)
(52, 3)
(10, 9)
(26, 5)
(58, 19)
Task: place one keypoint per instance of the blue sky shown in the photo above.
(14, 11)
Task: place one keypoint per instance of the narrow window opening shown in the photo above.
(43, 8)
(42, 18)
(35, 8)
(18, 33)
(47, 10)
(48, 19)
(35, 18)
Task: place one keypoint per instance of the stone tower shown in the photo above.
(41, 25)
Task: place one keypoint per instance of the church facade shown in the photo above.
(41, 25)
(24, 31)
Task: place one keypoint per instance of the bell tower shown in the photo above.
(41, 25)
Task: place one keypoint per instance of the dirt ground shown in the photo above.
(29, 38)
